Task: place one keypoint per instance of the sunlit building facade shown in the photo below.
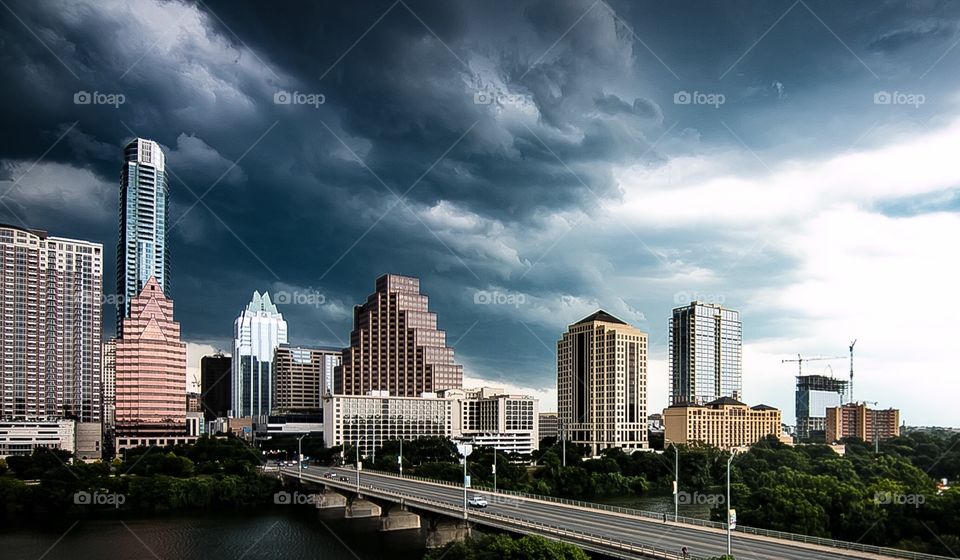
(725, 423)
(395, 345)
(151, 373)
(602, 383)
(257, 333)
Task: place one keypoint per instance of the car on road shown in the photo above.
(344, 479)
(330, 475)
(477, 501)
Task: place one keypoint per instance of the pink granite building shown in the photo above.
(151, 372)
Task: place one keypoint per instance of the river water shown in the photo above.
(293, 532)
(288, 533)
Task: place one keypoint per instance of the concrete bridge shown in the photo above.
(412, 503)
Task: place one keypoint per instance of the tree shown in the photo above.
(504, 547)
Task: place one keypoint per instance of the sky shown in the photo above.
(531, 162)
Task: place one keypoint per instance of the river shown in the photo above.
(288, 533)
(295, 532)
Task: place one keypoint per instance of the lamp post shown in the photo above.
(676, 481)
(733, 453)
(494, 470)
(465, 448)
(359, 465)
(300, 456)
(400, 458)
(563, 443)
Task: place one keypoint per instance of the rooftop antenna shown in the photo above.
(852, 344)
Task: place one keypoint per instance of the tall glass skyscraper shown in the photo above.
(142, 250)
(705, 354)
(257, 333)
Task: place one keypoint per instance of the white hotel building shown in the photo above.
(486, 416)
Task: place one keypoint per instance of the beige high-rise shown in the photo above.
(602, 383)
(395, 346)
(857, 421)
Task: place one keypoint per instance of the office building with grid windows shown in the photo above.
(705, 354)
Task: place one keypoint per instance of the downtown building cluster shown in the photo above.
(59, 376)
(397, 380)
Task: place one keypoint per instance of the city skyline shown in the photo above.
(574, 171)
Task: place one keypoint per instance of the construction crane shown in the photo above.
(852, 344)
(800, 359)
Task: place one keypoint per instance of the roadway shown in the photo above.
(700, 541)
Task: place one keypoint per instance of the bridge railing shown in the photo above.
(657, 516)
(599, 543)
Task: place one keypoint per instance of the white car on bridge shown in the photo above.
(477, 501)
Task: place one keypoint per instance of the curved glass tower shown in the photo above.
(142, 250)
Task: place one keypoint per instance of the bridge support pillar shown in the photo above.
(447, 530)
(329, 499)
(398, 519)
(358, 508)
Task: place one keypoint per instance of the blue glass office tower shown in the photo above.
(142, 249)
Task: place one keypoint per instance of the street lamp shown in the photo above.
(676, 481)
(494, 470)
(300, 456)
(733, 453)
(465, 448)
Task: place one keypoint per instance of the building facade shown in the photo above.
(370, 420)
(395, 345)
(815, 394)
(50, 339)
(142, 250)
(705, 354)
(855, 420)
(109, 383)
(602, 383)
(491, 417)
(725, 423)
(257, 333)
(151, 372)
(548, 425)
(299, 375)
(23, 436)
(216, 382)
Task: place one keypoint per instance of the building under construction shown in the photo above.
(815, 394)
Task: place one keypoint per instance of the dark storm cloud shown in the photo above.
(524, 110)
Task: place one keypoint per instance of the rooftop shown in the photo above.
(600, 316)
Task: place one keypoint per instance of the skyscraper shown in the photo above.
(299, 378)
(705, 354)
(395, 345)
(216, 386)
(257, 333)
(151, 372)
(602, 383)
(50, 290)
(142, 251)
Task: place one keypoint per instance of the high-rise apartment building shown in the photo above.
(151, 372)
(705, 354)
(299, 378)
(50, 295)
(855, 420)
(257, 333)
(216, 386)
(395, 346)
(109, 392)
(814, 395)
(602, 383)
(723, 423)
(142, 251)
